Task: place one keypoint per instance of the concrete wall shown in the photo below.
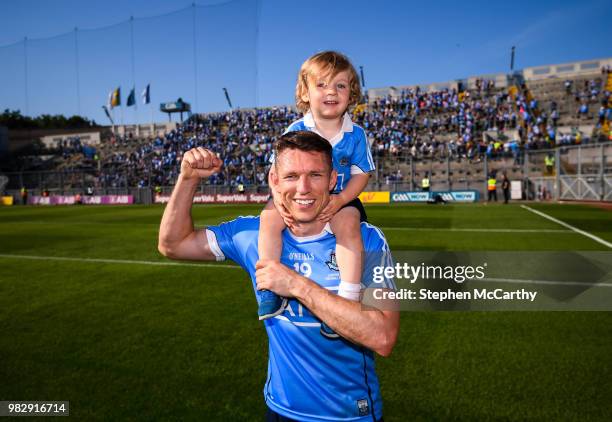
(90, 138)
(501, 80)
(565, 70)
(147, 130)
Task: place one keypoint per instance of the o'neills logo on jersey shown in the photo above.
(363, 407)
(299, 256)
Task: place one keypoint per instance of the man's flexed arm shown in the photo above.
(177, 237)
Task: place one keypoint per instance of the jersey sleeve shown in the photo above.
(377, 258)
(231, 240)
(361, 159)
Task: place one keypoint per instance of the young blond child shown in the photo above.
(327, 86)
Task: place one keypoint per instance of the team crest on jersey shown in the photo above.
(344, 161)
(364, 408)
(332, 264)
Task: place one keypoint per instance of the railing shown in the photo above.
(578, 173)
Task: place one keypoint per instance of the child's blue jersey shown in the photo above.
(310, 377)
(351, 150)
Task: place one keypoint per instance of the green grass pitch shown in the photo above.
(131, 340)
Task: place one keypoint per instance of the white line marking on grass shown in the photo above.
(450, 229)
(564, 224)
(116, 261)
(186, 264)
(549, 282)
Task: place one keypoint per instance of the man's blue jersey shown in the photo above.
(310, 377)
(350, 149)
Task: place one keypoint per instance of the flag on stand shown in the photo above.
(146, 95)
(108, 114)
(229, 102)
(131, 99)
(116, 98)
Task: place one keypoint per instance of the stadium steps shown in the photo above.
(567, 167)
(72, 161)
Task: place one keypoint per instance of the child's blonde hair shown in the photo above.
(329, 64)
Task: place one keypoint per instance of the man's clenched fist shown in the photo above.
(274, 276)
(199, 163)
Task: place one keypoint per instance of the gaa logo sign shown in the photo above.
(448, 196)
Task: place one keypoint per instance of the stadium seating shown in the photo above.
(445, 133)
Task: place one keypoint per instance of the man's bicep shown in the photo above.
(198, 247)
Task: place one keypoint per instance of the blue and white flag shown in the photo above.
(146, 95)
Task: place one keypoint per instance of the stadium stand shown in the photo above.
(457, 132)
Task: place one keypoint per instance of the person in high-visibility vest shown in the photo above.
(425, 185)
(549, 162)
(492, 188)
(24, 195)
(240, 188)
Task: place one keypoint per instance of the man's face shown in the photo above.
(302, 180)
(328, 98)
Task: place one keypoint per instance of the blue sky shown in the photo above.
(255, 48)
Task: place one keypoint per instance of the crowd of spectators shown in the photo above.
(454, 123)
(243, 138)
(450, 123)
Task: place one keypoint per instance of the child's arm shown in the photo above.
(353, 188)
(271, 226)
(349, 248)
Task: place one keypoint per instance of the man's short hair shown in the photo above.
(304, 140)
(328, 64)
